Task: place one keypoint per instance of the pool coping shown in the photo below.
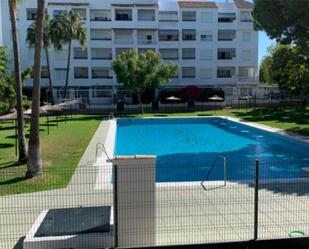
(103, 179)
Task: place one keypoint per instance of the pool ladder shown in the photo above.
(101, 147)
(219, 157)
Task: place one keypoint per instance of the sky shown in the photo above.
(264, 43)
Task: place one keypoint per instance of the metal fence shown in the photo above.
(158, 205)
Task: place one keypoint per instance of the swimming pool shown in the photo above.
(187, 148)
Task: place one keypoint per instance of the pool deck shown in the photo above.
(184, 214)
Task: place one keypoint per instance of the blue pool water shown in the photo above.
(186, 149)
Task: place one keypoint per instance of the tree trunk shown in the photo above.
(34, 165)
(68, 70)
(140, 103)
(22, 157)
(49, 75)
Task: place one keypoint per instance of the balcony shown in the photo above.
(169, 54)
(123, 15)
(226, 53)
(169, 35)
(82, 12)
(81, 72)
(225, 72)
(188, 53)
(226, 35)
(31, 14)
(101, 34)
(188, 35)
(188, 16)
(146, 37)
(148, 15)
(101, 73)
(226, 17)
(80, 53)
(101, 54)
(123, 37)
(100, 15)
(168, 16)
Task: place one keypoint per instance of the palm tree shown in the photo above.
(22, 157)
(30, 38)
(68, 27)
(34, 164)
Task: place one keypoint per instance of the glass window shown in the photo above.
(188, 72)
(189, 16)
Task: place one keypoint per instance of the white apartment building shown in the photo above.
(214, 43)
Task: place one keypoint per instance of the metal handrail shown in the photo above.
(212, 167)
(101, 146)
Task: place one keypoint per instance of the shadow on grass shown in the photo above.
(13, 180)
(6, 128)
(5, 145)
(10, 164)
(284, 115)
(299, 130)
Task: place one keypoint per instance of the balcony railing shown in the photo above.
(146, 42)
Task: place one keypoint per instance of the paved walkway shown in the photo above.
(19, 212)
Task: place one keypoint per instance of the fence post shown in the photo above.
(256, 200)
(115, 194)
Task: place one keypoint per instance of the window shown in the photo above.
(31, 14)
(246, 16)
(101, 73)
(206, 36)
(188, 53)
(225, 72)
(101, 34)
(205, 73)
(246, 36)
(226, 17)
(81, 72)
(60, 73)
(188, 35)
(207, 17)
(226, 53)
(123, 15)
(144, 50)
(188, 72)
(80, 53)
(146, 15)
(226, 35)
(100, 15)
(168, 35)
(44, 72)
(246, 55)
(188, 16)
(81, 12)
(61, 54)
(169, 53)
(101, 54)
(57, 13)
(206, 54)
(168, 16)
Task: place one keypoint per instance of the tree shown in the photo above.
(265, 73)
(286, 67)
(34, 164)
(284, 20)
(22, 155)
(7, 91)
(191, 94)
(139, 72)
(30, 38)
(66, 28)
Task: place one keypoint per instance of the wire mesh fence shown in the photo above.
(153, 205)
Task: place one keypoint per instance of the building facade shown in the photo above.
(214, 43)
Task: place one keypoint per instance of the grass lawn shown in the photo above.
(61, 152)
